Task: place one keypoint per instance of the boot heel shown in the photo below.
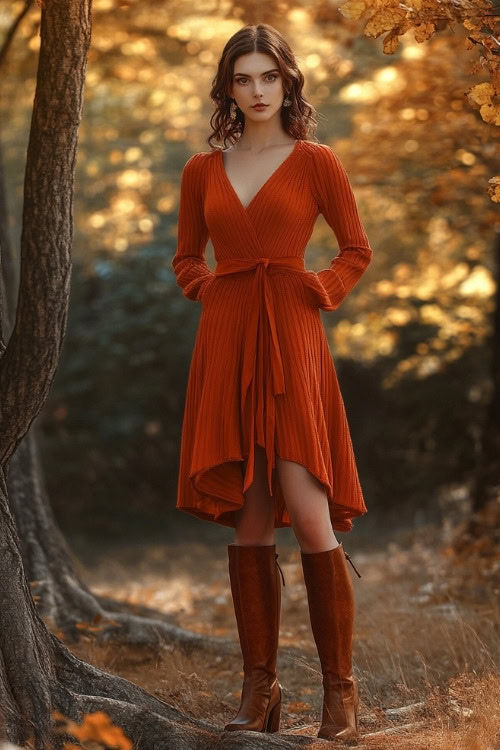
(273, 720)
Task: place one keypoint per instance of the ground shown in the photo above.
(426, 643)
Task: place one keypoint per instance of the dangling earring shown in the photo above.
(232, 110)
(287, 102)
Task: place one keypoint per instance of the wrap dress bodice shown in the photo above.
(261, 370)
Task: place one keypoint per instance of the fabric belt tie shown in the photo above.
(261, 345)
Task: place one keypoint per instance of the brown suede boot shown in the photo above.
(331, 608)
(256, 592)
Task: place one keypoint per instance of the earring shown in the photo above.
(232, 110)
(287, 102)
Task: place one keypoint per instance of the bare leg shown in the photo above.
(307, 505)
(255, 521)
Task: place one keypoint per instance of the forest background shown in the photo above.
(414, 118)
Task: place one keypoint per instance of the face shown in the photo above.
(257, 78)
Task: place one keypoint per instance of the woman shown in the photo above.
(262, 389)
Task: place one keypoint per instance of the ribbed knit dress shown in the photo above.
(261, 370)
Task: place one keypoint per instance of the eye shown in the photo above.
(270, 76)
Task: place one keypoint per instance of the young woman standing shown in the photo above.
(262, 391)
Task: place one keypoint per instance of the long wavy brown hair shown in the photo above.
(298, 120)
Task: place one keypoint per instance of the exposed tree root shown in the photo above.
(63, 600)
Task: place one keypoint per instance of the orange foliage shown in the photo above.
(425, 18)
(96, 727)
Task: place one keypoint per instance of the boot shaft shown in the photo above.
(330, 594)
(256, 592)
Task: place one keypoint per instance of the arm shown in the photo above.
(191, 271)
(335, 198)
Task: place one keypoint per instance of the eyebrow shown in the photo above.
(274, 70)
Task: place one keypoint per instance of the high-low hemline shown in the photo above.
(340, 522)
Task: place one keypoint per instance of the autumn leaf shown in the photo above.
(480, 97)
(384, 20)
(494, 190)
(353, 9)
(481, 94)
(424, 31)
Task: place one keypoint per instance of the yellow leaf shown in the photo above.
(353, 9)
(495, 195)
(384, 20)
(481, 94)
(391, 44)
(490, 114)
(424, 31)
(470, 24)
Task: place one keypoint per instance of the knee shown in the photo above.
(254, 525)
(254, 534)
(313, 534)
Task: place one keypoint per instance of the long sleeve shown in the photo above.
(333, 193)
(191, 270)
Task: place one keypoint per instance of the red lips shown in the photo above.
(259, 106)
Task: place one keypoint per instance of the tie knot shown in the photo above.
(265, 261)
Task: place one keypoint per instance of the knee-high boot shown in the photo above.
(330, 596)
(256, 592)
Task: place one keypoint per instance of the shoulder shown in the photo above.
(323, 162)
(196, 161)
(195, 168)
(202, 156)
(315, 148)
(320, 153)
(324, 168)
(199, 160)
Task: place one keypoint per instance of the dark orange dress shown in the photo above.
(261, 369)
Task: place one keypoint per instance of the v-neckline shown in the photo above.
(264, 185)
